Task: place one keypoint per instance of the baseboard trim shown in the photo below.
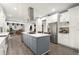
(45, 52)
(69, 47)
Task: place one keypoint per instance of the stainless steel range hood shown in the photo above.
(31, 13)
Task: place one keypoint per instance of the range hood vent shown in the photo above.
(31, 13)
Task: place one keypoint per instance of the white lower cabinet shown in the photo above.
(2, 51)
(3, 47)
(64, 39)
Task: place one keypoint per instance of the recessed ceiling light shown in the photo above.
(15, 8)
(53, 10)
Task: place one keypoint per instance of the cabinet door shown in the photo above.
(2, 51)
(26, 39)
(34, 45)
(29, 41)
(2, 48)
(43, 44)
(60, 38)
(23, 38)
(66, 39)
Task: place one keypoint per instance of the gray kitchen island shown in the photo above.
(38, 43)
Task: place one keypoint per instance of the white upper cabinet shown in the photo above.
(52, 18)
(64, 17)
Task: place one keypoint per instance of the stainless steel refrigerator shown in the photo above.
(53, 32)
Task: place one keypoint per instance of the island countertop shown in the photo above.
(37, 34)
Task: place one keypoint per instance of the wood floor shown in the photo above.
(16, 47)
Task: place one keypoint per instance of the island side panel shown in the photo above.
(43, 44)
(30, 41)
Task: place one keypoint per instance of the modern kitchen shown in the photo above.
(39, 28)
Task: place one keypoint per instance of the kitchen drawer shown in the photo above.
(2, 51)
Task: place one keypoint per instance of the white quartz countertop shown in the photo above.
(37, 34)
(2, 39)
(25, 32)
(4, 34)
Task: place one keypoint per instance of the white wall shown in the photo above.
(2, 20)
(71, 39)
(74, 27)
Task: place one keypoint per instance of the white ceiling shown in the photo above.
(20, 10)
